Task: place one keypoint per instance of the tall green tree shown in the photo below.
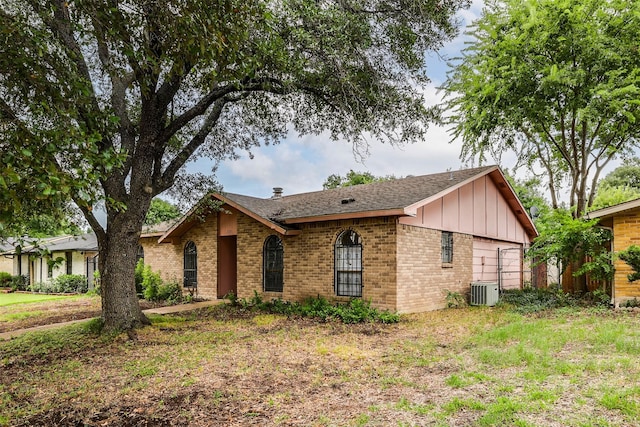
(105, 100)
(620, 185)
(160, 211)
(353, 178)
(557, 82)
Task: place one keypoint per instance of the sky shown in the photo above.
(302, 163)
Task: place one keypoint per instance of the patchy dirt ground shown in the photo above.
(23, 316)
(221, 367)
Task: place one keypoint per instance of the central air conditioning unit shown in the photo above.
(484, 293)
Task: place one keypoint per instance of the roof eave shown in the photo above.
(612, 210)
(185, 222)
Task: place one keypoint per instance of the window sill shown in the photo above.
(447, 265)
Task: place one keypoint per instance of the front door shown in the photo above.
(227, 265)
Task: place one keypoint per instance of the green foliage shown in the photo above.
(573, 240)
(356, 311)
(556, 82)
(353, 178)
(151, 283)
(19, 283)
(69, 283)
(63, 284)
(632, 257)
(155, 289)
(160, 211)
(625, 176)
(106, 103)
(139, 276)
(5, 279)
(531, 300)
(608, 196)
(455, 300)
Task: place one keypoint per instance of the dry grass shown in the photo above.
(467, 367)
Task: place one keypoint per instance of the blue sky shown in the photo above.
(301, 164)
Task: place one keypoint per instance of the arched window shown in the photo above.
(190, 265)
(273, 260)
(348, 264)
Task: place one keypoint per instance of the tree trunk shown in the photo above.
(120, 306)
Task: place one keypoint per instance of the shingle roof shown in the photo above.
(85, 242)
(400, 197)
(391, 195)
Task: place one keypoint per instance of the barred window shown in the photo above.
(447, 247)
(273, 268)
(190, 265)
(348, 264)
(140, 254)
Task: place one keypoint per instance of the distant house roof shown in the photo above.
(157, 229)
(85, 242)
(397, 197)
(612, 210)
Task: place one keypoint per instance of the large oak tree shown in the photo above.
(557, 82)
(106, 100)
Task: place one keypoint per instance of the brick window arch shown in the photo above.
(273, 264)
(348, 264)
(190, 265)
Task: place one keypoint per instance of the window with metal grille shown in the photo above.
(447, 247)
(140, 254)
(190, 265)
(348, 264)
(273, 259)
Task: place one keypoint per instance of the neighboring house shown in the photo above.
(6, 261)
(624, 221)
(402, 244)
(73, 255)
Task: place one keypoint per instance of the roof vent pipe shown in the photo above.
(277, 192)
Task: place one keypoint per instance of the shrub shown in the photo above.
(151, 283)
(5, 279)
(531, 300)
(19, 283)
(455, 299)
(139, 276)
(155, 289)
(356, 311)
(170, 292)
(42, 287)
(70, 283)
(632, 257)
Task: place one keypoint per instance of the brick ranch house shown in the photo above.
(401, 244)
(624, 221)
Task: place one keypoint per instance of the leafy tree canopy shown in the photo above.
(572, 240)
(103, 100)
(353, 178)
(619, 186)
(555, 81)
(160, 211)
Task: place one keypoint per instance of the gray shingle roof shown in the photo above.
(85, 242)
(377, 196)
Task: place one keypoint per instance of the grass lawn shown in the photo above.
(224, 366)
(20, 298)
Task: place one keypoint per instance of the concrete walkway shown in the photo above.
(170, 309)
